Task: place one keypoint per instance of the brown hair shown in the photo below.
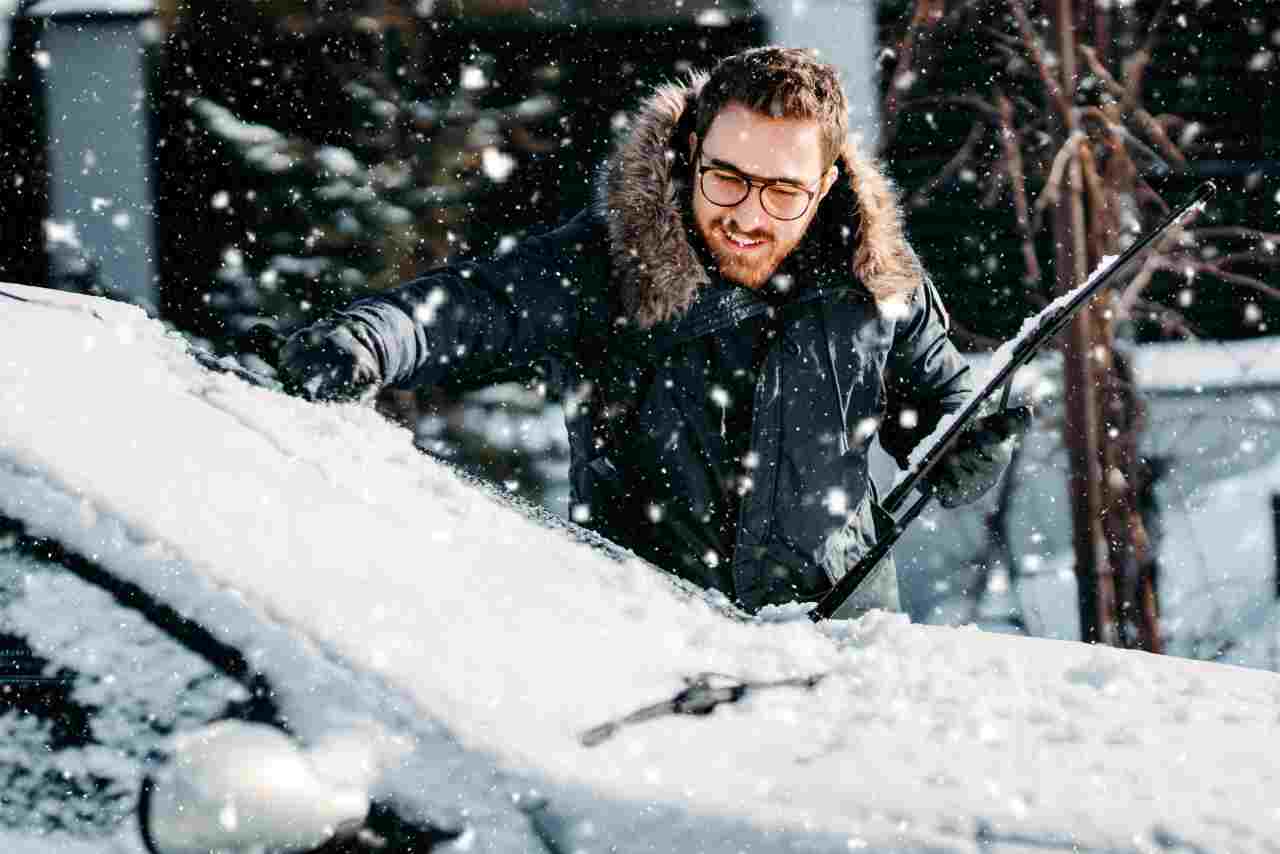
(779, 82)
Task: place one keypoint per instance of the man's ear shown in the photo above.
(829, 180)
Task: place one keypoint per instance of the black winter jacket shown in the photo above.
(620, 305)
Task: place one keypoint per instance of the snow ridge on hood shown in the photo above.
(641, 198)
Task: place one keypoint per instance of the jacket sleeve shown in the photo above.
(477, 322)
(926, 376)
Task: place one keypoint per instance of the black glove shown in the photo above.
(330, 360)
(979, 456)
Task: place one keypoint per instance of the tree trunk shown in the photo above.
(1086, 356)
(1083, 440)
(1110, 185)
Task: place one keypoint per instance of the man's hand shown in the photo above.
(330, 360)
(978, 458)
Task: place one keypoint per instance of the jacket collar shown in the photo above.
(641, 197)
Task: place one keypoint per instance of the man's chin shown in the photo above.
(752, 276)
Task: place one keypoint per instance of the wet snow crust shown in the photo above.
(373, 565)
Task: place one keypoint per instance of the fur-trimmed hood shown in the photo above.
(641, 198)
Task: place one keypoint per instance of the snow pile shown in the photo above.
(519, 639)
(1163, 367)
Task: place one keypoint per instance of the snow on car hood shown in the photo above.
(518, 639)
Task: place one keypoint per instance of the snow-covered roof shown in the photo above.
(324, 519)
(1187, 366)
(102, 8)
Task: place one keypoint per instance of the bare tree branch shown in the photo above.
(1180, 265)
(1104, 76)
(1148, 196)
(1011, 142)
(954, 165)
(1154, 129)
(1101, 231)
(1053, 184)
(979, 105)
(1156, 132)
(1171, 320)
(1265, 259)
(1052, 88)
(997, 178)
(1004, 40)
(1131, 295)
(1135, 66)
(924, 17)
(1213, 231)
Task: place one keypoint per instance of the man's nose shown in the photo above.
(749, 215)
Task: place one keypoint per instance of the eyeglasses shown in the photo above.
(727, 188)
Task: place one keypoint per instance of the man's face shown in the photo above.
(747, 242)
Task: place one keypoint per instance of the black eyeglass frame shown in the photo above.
(752, 183)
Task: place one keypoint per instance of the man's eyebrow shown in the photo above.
(724, 164)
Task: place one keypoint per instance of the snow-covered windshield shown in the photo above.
(226, 500)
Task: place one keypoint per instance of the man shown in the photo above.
(735, 320)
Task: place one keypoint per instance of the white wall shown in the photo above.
(844, 33)
(99, 149)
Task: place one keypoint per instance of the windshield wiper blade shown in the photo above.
(702, 694)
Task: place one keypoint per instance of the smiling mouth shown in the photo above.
(740, 242)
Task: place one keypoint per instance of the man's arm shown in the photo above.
(926, 376)
(928, 379)
(465, 324)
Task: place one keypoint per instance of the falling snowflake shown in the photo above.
(61, 234)
(497, 165)
(426, 313)
(836, 502)
(473, 78)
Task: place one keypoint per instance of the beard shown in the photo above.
(751, 266)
